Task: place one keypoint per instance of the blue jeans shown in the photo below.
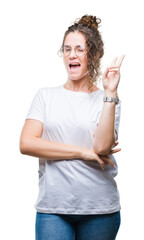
(77, 227)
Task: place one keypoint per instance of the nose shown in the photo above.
(72, 53)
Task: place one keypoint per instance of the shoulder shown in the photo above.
(48, 89)
(100, 93)
(44, 91)
(99, 96)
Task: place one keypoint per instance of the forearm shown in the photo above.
(104, 133)
(39, 147)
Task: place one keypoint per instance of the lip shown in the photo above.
(74, 69)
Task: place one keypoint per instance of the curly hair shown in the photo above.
(88, 26)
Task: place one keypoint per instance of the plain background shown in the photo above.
(31, 34)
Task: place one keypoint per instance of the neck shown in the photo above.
(79, 86)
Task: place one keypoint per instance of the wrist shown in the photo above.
(111, 94)
(78, 152)
(111, 100)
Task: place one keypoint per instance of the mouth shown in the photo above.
(74, 66)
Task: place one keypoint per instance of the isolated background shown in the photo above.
(31, 33)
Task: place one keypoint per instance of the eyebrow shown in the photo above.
(75, 46)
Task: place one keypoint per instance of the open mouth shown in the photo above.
(74, 66)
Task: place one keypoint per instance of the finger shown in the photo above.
(113, 69)
(115, 150)
(116, 143)
(105, 162)
(108, 159)
(105, 73)
(119, 63)
(100, 161)
(114, 61)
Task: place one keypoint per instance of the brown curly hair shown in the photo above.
(88, 26)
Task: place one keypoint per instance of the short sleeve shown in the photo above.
(117, 119)
(36, 110)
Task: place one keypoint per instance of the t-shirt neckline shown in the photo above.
(78, 93)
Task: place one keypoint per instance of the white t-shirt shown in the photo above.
(73, 186)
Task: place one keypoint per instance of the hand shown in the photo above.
(111, 77)
(107, 160)
(90, 154)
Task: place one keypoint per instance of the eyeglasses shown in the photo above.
(79, 50)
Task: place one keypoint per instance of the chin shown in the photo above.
(76, 78)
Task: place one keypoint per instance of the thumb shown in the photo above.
(105, 73)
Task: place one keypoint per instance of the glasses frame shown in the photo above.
(77, 46)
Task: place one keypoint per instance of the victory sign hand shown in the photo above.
(111, 77)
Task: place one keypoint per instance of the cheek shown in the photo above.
(86, 59)
(85, 62)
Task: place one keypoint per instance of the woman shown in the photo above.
(73, 129)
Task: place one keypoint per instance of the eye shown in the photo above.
(80, 50)
(67, 49)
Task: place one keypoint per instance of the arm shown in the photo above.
(32, 144)
(105, 132)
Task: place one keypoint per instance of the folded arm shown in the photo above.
(32, 144)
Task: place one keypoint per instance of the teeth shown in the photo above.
(74, 64)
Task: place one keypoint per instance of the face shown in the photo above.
(76, 66)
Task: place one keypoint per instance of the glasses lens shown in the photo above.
(80, 51)
(66, 50)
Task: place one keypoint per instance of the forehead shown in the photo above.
(75, 38)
